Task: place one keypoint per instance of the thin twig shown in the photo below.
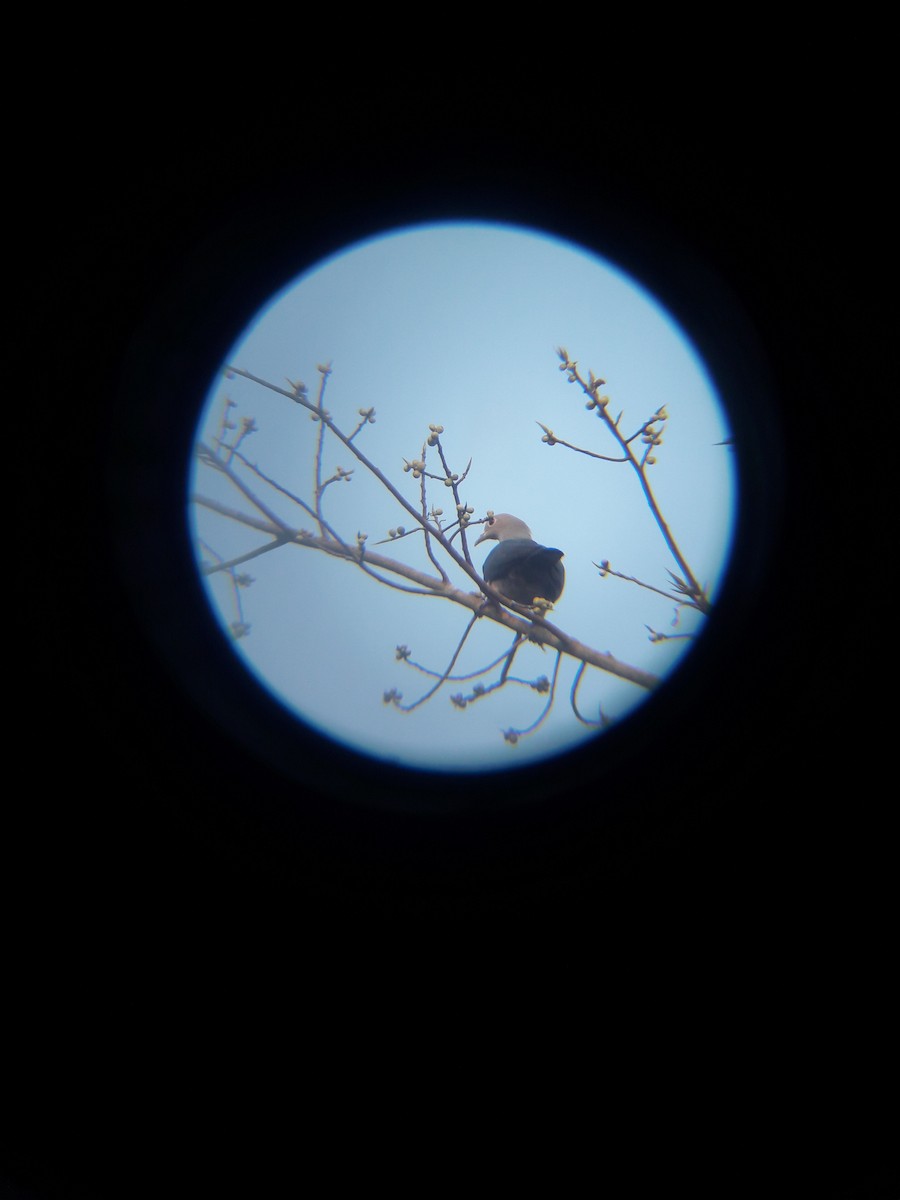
(216, 463)
(233, 577)
(446, 674)
(512, 735)
(430, 552)
(552, 440)
(590, 389)
(573, 699)
(680, 600)
(454, 487)
(320, 441)
(307, 508)
(456, 678)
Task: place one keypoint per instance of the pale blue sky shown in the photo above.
(458, 325)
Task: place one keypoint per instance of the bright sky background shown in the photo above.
(458, 325)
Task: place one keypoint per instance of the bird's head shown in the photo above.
(502, 526)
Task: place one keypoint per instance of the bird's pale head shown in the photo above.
(502, 526)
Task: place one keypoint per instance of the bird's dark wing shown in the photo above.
(522, 569)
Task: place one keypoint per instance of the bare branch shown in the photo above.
(573, 700)
(605, 569)
(445, 675)
(320, 414)
(513, 735)
(480, 690)
(535, 629)
(273, 484)
(428, 549)
(213, 461)
(552, 440)
(454, 482)
(403, 656)
(239, 626)
(379, 475)
(656, 636)
(651, 438)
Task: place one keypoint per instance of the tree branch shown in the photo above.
(535, 629)
(599, 404)
(300, 398)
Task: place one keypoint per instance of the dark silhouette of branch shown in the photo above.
(428, 547)
(573, 701)
(552, 440)
(211, 460)
(442, 679)
(403, 655)
(513, 735)
(322, 414)
(541, 685)
(238, 626)
(656, 636)
(319, 414)
(650, 434)
(681, 599)
(534, 629)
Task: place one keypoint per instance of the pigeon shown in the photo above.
(520, 568)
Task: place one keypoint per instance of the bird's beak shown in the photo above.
(483, 535)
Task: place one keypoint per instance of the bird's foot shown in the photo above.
(541, 606)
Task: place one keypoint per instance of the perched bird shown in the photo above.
(520, 567)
